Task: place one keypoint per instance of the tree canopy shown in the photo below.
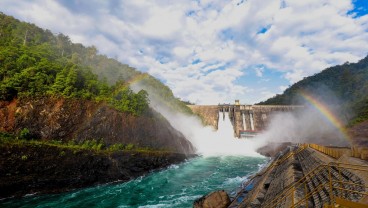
(34, 62)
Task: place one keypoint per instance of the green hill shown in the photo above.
(346, 84)
(36, 62)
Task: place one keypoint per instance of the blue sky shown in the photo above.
(360, 7)
(212, 51)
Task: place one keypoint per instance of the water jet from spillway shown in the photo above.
(223, 142)
(206, 140)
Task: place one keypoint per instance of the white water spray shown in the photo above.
(222, 142)
(244, 124)
(251, 121)
(206, 140)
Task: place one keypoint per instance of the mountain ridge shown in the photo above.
(343, 85)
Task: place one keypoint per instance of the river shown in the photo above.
(176, 186)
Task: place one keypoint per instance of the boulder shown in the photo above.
(216, 199)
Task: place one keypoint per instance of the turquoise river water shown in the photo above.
(176, 186)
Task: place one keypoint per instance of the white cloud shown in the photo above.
(223, 38)
(283, 88)
(259, 72)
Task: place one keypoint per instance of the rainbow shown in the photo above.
(136, 78)
(326, 112)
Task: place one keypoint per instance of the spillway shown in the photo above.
(244, 124)
(251, 121)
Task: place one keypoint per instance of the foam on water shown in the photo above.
(223, 142)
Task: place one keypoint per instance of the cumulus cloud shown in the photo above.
(201, 48)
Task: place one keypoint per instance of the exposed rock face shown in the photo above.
(27, 169)
(272, 149)
(216, 199)
(66, 119)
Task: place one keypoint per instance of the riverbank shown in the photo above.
(39, 168)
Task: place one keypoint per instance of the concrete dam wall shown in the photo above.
(208, 113)
(246, 119)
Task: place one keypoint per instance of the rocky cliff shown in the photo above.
(73, 119)
(36, 169)
(42, 167)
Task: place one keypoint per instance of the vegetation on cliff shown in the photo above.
(36, 62)
(25, 138)
(348, 82)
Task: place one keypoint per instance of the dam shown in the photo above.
(247, 120)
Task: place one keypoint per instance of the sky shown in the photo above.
(211, 52)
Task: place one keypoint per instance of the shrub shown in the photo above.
(116, 147)
(98, 146)
(24, 134)
(62, 153)
(129, 146)
(5, 135)
(71, 142)
(93, 144)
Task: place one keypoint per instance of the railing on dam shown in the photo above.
(337, 152)
(227, 107)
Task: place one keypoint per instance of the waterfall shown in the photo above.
(207, 140)
(244, 124)
(251, 121)
(225, 127)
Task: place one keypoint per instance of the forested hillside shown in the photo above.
(63, 106)
(348, 83)
(36, 62)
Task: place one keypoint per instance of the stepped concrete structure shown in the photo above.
(246, 119)
(309, 175)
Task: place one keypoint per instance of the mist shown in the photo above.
(303, 127)
(307, 125)
(206, 140)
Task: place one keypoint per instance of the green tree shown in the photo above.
(70, 83)
(141, 102)
(59, 85)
